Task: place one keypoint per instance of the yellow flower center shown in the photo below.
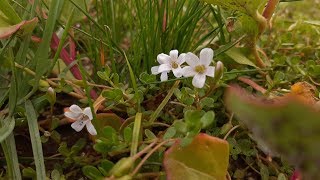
(174, 65)
(200, 69)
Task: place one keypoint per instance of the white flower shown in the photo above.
(199, 68)
(82, 117)
(169, 63)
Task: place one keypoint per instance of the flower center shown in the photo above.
(83, 117)
(174, 65)
(200, 69)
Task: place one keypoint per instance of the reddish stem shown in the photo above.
(269, 9)
(68, 59)
(252, 84)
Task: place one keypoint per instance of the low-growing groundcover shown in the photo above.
(159, 89)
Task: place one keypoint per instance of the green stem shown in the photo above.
(156, 113)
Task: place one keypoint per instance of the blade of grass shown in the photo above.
(21, 56)
(62, 40)
(13, 85)
(133, 81)
(7, 126)
(87, 88)
(41, 59)
(10, 153)
(228, 46)
(35, 140)
(8, 11)
(136, 134)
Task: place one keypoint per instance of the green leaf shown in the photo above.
(146, 78)
(180, 126)
(207, 119)
(106, 165)
(105, 75)
(276, 124)
(63, 149)
(171, 131)
(127, 134)
(92, 172)
(29, 173)
(109, 133)
(264, 172)
(78, 146)
(206, 157)
(114, 94)
(207, 102)
(278, 77)
(55, 175)
(150, 135)
(281, 176)
(107, 119)
(102, 147)
(193, 116)
(35, 140)
(237, 56)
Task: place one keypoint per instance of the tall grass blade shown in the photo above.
(41, 59)
(35, 140)
(10, 153)
(136, 134)
(7, 126)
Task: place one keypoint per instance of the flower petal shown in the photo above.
(188, 71)
(164, 76)
(177, 72)
(181, 59)
(174, 54)
(199, 80)
(206, 56)
(78, 125)
(72, 115)
(91, 128)
(75, 108)
(164, 68)
(87, 112)
(155, 70)
(192, 60)
(210, 71)
(163, 59)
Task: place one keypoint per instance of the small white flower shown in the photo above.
(199, 68)
(169, 63)
(82, 117)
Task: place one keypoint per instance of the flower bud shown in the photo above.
(51, 95)
(219, 70)
(43, 83)
(218, 73)
(122, 167)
